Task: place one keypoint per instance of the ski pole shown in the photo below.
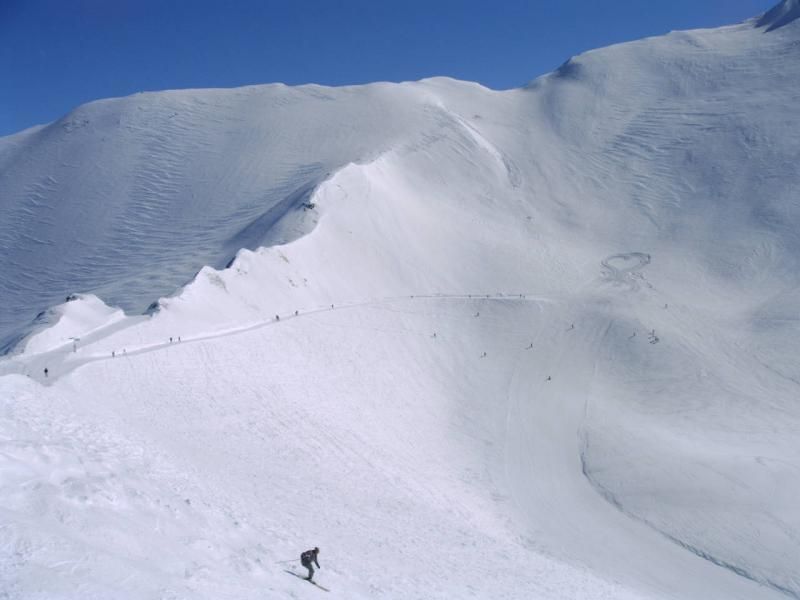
(283, 562)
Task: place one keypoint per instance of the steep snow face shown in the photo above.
(535, 343)
(129, 198)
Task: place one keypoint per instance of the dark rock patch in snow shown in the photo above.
(780, 15)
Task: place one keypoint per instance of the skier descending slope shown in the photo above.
(306, 558)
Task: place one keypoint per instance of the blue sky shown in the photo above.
(57, 54)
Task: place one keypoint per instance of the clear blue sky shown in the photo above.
(57, 54)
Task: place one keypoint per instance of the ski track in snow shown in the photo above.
(625, 269)
(64, 360)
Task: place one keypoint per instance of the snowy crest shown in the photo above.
(780, 15)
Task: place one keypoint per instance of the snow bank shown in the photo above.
(81, 316)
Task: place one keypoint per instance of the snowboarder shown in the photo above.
(306, 558)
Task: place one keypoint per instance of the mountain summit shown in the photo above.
(780, 15)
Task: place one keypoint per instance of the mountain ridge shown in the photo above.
(553, 326)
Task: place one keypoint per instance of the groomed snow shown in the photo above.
(473, 344)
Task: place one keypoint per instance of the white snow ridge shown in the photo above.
(538, 343)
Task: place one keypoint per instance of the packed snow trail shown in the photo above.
(505, 474)
(215, 433)
(70, 354)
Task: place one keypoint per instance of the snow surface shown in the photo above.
(539, 343)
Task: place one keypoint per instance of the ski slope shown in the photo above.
(537, 343)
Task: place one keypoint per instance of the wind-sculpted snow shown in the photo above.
(538, 343)
(129, 198)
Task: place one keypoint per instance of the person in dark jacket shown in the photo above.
(306, 558)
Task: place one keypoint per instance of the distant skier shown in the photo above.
(46, 371)
(306, 558)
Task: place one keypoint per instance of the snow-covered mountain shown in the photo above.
(538, 343)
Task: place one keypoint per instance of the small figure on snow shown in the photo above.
(306, 558)
(46, 371)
